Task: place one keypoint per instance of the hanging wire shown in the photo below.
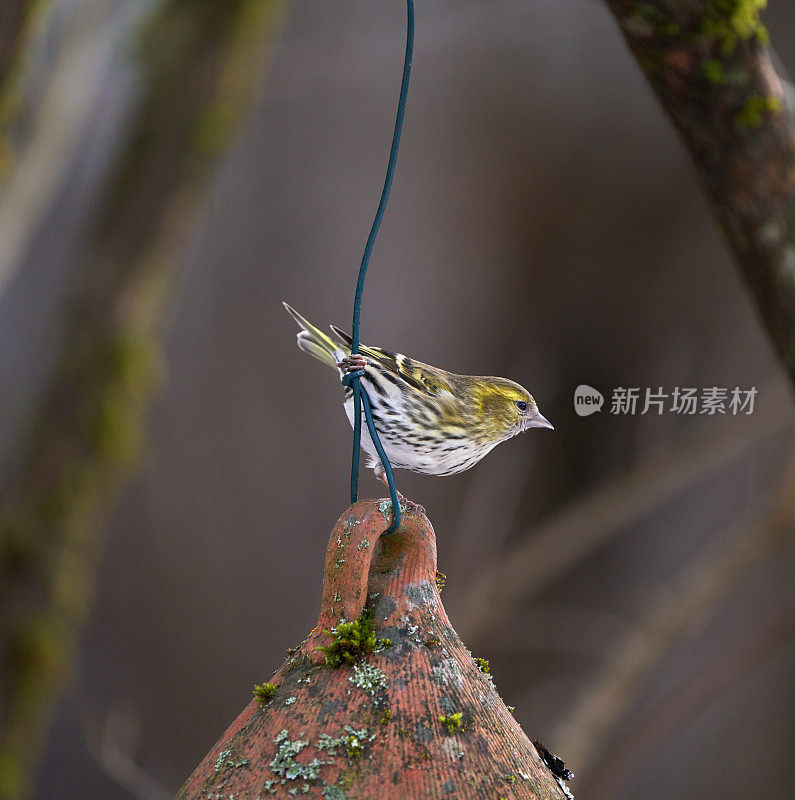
(360, 397)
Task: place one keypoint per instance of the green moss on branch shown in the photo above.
(87, 431)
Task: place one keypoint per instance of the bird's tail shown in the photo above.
(316, 343)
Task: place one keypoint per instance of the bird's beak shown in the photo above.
(536, 420)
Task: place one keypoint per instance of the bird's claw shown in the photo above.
(382, 477)
(353, 363)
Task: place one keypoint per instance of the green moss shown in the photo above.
(254, 23)
(18, 57)
(353, 641)
(726, 22)
(453, 723)
(511, 709)
(125, 368)
(441, 580)
(510, 778)
(756, 108)
(713, 71)
(354, 747)
(264, 692)
(386, 717)
(483, 665)
(730, 22)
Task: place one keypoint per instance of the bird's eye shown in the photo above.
(521, 405)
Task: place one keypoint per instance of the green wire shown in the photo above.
(360, 396)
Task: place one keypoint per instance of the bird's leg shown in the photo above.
(381, 475)
(354, 363)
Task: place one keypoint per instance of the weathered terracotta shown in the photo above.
(394, 744)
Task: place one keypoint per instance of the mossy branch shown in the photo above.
(87, 430)
(12, 22)
(15, 30)
(709, 63)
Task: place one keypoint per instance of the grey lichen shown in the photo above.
(420, 593)
(285, 765)
(368, 677)
(223, 758)
(448, 704)
(453, 749)
(447, 673)
(333, 792)
(352, 741)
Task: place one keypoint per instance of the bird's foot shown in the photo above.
(353, 363)
(382, 477)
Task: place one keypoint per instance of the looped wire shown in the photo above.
(348, 377)
(360, 397)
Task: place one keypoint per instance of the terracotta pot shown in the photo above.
(417, 718)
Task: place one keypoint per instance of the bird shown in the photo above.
(429, 420)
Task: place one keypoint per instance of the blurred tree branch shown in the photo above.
(625, 759)
(710, 66)
(201, 62)
(11, 23)
(687, 603)
(545, 553)
(112, 744)
(14, 21)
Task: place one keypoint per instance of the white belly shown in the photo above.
(446, 458)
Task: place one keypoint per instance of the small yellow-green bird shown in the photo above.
(429, 420)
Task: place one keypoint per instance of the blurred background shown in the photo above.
(173, 170)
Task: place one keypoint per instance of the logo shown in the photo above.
(587, 400)
(709, 400)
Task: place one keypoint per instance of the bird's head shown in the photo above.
(505, 408)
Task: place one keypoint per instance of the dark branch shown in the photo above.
(710, 66)
(199, 61)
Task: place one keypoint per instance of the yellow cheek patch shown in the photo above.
(496, 407)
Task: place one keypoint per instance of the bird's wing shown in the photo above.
(419, 376)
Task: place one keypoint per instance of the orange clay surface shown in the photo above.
(414, 719)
